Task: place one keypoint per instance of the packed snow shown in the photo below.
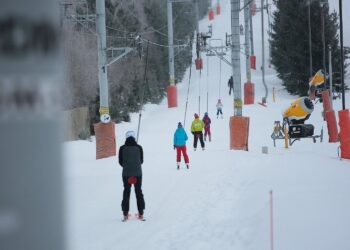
(223, 200)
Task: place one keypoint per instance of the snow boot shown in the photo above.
(195, 149)
(209, 138)
(205, 138)
(178, 165)
(126, 217)
(187, 166)
(139, 216)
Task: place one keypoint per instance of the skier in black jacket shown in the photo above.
(230, 85)
(131, 158)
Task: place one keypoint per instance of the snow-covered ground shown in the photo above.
(222, 201)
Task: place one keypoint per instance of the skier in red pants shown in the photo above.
(180, 138)
(207, 122)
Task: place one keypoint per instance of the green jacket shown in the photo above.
(197, 125)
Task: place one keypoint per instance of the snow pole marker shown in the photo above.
(271, 220)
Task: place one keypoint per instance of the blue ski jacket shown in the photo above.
(180, 137)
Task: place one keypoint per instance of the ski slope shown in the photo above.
(222, 201)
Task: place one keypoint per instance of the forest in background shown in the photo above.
(125, 20)
(290, 44)
(128, 19)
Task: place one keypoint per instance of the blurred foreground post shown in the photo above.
(31, 201)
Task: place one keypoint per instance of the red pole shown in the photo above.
(271, 219)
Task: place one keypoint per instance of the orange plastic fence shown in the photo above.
(172, 96)
(239, 132)
(105, 139)
(332, 126)
(249, 93)
(344, 135)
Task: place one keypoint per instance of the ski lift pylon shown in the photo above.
(218, 9)
(211, 14)
(199, 63)
(252, 62)
(249, 93)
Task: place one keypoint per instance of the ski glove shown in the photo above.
(174, 147)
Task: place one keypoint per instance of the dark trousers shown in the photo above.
(231, 89)
(219, 111)
(138, 192)
(198, 135)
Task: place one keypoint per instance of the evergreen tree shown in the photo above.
(290, 43)
(148, 19)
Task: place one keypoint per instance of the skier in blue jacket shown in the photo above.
(180, 138)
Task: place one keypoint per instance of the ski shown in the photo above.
(137, 216)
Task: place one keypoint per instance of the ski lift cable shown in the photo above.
(245, 5)
(199, 94)
(157, 30)
(139, 33)
(163, 34)
(143, 93)
(188, 89)
(207, 82)
(163, 45)
(220, 79)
